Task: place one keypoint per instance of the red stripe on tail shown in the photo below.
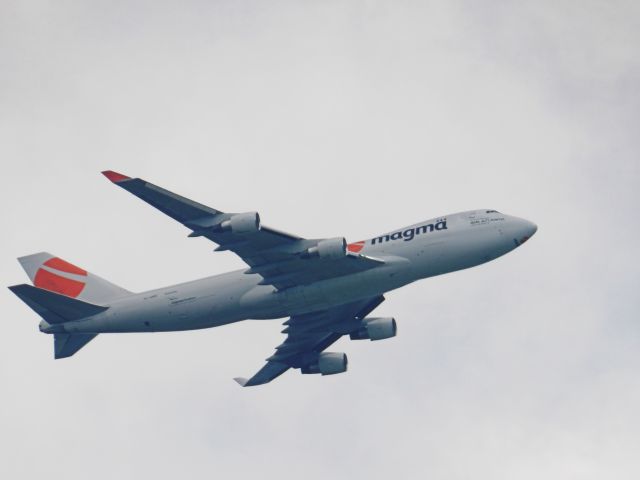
(55, 283)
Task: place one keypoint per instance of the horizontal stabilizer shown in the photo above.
(65, 344)
(54, 307)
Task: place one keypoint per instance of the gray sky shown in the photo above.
(330, 118)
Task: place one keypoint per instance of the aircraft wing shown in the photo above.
(310, 334)
(282, 259)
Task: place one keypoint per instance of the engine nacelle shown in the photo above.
(329, 248)
(242, 223)
(376, 329)
(328, 363)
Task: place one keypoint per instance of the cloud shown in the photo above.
(330, 119)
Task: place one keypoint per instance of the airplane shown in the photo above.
(326, 287)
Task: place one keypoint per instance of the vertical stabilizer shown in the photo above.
(52, 273)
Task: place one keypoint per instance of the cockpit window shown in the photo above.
(492, 211)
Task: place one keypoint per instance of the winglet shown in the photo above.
(115, 177)
(267, 373)
(241, 381)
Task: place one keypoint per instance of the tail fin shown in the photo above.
(51, 273)
(55, 308)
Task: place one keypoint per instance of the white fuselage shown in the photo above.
(438, 246)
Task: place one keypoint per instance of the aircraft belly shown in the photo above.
(201, 304)
(336, 291)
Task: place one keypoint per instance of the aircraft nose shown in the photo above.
(525, 230)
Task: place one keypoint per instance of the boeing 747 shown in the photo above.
(326, 287)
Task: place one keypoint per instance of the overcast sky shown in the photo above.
(330, 118)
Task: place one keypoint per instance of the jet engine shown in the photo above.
(329, 248)
(375, 329)
(328, 363)
(242, 223)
